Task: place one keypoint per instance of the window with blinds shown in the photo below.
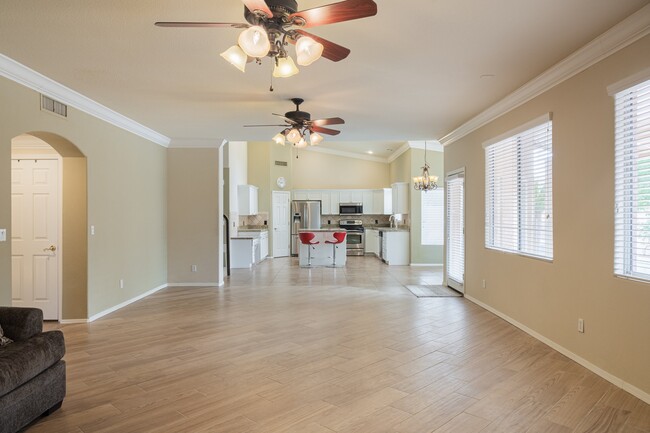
(632, 182)
(432, 219)
(519, 191)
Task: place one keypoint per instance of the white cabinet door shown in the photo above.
(314, 195)
(300, 195)
(264, 245)
(345, 197)
(372, 242)
(335, 200)
(247, 195)
(396, 248)
(326, 203)
(368, 203)
(400, 198)
(357, 196)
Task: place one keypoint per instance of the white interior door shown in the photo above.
(35, 235)
(455, 185)
(281, 225)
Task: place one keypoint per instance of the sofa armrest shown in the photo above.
(20, 324)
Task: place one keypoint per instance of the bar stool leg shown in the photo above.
(334, 262)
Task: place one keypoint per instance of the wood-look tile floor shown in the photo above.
(284, 349)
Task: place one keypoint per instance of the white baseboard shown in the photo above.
(194, 284)
(639, 393)
(425, 264)
(125, 303)
(72, 321)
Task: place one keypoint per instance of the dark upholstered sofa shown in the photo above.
(32, 373)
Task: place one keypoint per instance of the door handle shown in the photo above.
(51, 248)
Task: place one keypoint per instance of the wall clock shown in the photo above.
(282, 182)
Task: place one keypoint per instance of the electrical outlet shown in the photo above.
(194, 268)
(581, 326)
(484, 285)
(121, 283)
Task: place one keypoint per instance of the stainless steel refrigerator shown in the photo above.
(305, 214)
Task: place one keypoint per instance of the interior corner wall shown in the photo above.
(548, 298)
(193, 215)
(424, 254)
(126, 199)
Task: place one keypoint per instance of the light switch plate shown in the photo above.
(3, 235)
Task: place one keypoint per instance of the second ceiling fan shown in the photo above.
(274, 24)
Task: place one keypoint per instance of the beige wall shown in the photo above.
(126, 200)
(579, 283)
(315, 170)
(193, 216)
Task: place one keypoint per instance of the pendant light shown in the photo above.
(425, 182)
(315, 138)
(236, 57)
(285, 67)
(308, 51)
(254, 41)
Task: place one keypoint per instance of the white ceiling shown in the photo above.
(415, 71)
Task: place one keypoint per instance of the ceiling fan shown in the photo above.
(274, 24)
(299, 123)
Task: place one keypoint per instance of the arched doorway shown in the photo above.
(49, 236)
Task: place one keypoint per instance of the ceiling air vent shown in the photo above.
(52, 106)
(281, 163)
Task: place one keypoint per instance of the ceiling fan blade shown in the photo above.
(198, 24)
(258, 5)
(284, 117)
(263, 126)
(325, 130)
(331, 51)
(337, 12)
(328, 121)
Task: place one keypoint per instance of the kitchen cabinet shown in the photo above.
(300, 195)
(242, 252)
(326, 203)
(395, 247)
(345, 197)
(400, 197)
(335, 200)
(382, 201)
(264, 245)
(368, 201)
(247, 196)
(372, 242)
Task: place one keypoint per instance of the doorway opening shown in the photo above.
(49, 243)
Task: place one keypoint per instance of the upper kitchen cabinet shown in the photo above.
(248, 196)
(382, 203)
(400, 198)
(368, 202)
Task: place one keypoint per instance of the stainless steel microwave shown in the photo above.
(350, 209)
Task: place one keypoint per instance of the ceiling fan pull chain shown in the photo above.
(271, 88)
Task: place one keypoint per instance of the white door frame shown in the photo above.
(448, 282)
(59, 244)
(273, 235)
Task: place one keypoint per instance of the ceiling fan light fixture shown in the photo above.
(315, 138)
(308, 51)
(255, 42)
(285, 67)
(236, 57)
(294, 136)
(279, 138)
(302, 143)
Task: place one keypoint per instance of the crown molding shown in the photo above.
(196, 143)
(29, 78)
(431, 145)
(344, 154)
(403, 148)
(618, 37)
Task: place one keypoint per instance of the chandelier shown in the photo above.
(425, 182)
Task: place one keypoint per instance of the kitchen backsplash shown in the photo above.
(368, 220)
(261, 219)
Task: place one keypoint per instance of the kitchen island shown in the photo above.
(322, 253)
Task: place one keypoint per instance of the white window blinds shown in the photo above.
(455, 185)
(632, 182)
(433, 225)
(519, 193)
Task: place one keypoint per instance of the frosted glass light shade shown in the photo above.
(285, 68)
(279, 138)
(236, 57)
(302, 143)
(294, 136)
(315, 138)
(254, 41)
(308, 51)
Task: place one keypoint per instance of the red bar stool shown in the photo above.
(307, 238)
(339, 238)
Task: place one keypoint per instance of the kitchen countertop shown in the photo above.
(333, 229)
(389, 229)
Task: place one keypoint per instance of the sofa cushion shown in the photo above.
(4, 340)
(24, 360)
(21, 323)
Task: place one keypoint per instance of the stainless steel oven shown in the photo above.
(351, 208)
(356, 238)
